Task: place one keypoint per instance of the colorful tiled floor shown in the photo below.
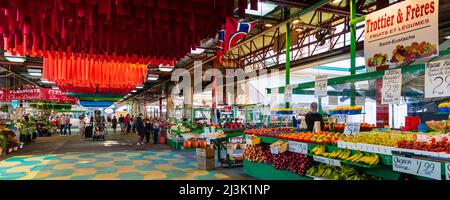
(125, 165)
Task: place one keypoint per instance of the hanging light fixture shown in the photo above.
(166, 68)
(11, 58)
(268, 25)
(153, 77)
(336, 1)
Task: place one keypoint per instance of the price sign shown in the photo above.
(320, 87)
(447, 171)
(298, 147)
(327, 160)
(392, 87)
(437, 79)
(333, 100)
(351, 128)
(417, 167)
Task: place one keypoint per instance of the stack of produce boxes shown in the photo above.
(205, 158)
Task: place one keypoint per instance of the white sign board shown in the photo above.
(437, 79)
(333, 100)
(320, 86)
(327, 160)
(392, 87)
(447, 171)
(417, 167)
(351, 128)
(298, 147)
(403, 32)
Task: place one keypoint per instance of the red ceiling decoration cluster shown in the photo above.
(86, 74)
(158, 30)
(151, 31)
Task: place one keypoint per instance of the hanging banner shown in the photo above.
(437, 78)
(36, 94)
(392, 87)
(403, 32)
(320, 86)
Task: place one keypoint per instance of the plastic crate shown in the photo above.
(253, 141)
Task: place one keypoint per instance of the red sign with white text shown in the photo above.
(401, 33)
(36, 94)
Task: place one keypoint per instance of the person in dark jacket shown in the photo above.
(140, 127)
(313, 116)
(148, 129)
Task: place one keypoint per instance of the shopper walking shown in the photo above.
(66, 125)
(140, 127)
(82, 127)
(114, 123)
(155, 131)
(121, 123)
(59, 125)
(148, 128)
(126, 122)
(134, 121)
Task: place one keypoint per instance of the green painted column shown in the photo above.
(288, 57)
(353, 49)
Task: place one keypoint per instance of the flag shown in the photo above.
(233, 32)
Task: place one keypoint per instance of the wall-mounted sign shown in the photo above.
(401, 33)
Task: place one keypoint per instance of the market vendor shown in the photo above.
(313, 116)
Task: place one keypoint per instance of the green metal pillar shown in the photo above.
(288, 57)
(352, 49)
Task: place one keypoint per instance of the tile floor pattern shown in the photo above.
(124, 165)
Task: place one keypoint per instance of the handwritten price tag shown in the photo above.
(351, 128)
(298, 147)
(392, 87)
(320, 87)
(437, 79)
(417, 167)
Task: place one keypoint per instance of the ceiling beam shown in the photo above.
(325, 8)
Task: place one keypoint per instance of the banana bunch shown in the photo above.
(345, 154)
(335, 153)
(355, 157)
(370, 159)
(328, 172)
(318, 150)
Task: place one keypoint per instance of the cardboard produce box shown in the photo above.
(206, 163)
(207, 153)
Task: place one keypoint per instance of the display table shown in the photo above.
(265, 171)
(384, 169)
(219, 143)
